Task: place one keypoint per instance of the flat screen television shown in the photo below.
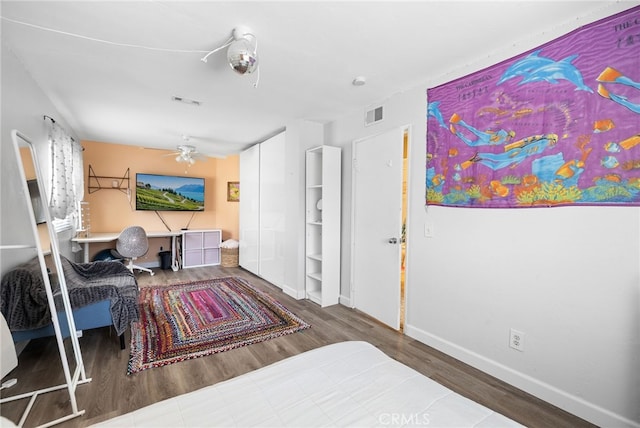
(155, 192)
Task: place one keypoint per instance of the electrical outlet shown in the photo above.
(516, 340)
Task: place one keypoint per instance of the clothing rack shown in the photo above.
(79, 376)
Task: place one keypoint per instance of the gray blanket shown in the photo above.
(23, 299)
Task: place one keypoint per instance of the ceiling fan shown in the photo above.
(188, 154)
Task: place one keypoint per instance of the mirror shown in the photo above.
(48, 254)
(32, 184)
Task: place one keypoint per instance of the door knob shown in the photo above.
(393, 240)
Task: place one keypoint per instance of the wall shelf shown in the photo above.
(108, 182)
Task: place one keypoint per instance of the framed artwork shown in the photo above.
(233, 191)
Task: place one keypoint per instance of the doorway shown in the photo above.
(379, 214)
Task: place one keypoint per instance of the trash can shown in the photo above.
(165, 259)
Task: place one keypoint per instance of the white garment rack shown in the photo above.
(79, 376)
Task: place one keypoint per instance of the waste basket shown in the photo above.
(165, 259)
(229, 251)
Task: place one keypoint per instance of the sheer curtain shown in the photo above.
(67, 177)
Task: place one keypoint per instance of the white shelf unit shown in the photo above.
(322, 217)
(201, 247)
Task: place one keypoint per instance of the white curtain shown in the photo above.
(67, 178)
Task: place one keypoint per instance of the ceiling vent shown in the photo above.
(374, 115)
(187, 101)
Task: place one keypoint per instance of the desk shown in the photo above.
(112, 236)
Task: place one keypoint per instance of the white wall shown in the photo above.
(567, 277)
(23, 108)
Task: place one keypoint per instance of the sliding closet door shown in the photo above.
(272, 210)
(250, 208)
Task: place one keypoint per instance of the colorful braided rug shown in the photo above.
(184, 321)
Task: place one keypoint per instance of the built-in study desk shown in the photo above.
(112, 236)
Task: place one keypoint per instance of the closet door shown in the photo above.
(272, 210)
(249, 208)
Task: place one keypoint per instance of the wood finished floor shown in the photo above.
(111, 392)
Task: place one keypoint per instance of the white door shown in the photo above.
(377, 225)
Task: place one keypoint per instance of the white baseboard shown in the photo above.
(293, 292)
(345, 301)
(559, 398)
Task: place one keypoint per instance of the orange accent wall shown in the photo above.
(111, 210)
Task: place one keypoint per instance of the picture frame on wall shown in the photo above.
(233, 191)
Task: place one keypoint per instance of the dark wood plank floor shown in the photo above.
(111, 392)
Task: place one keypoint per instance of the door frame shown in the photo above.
(352, 289)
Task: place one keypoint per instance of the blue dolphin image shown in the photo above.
(535, 68)
(525, 66)
(561, 70)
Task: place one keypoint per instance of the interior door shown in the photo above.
(377, 226)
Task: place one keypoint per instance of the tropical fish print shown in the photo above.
(603, 125)
(612, 147)
(609, 162)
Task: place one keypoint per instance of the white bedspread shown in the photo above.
(345, 384)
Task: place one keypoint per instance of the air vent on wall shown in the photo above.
(372, 116)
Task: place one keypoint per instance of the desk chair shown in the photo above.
(131, 244)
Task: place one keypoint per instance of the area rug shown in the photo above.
(185, 321)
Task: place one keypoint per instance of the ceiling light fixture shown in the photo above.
(359, 81)
(187, 153)
(242, 54)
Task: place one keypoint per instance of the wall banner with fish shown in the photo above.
(558, 125)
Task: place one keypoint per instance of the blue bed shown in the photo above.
(95, 315)
(102, 293)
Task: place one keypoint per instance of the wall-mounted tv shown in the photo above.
(155, 192)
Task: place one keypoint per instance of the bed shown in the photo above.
(345, 384)
(102, 293)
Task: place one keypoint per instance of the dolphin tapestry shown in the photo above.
(558, 125)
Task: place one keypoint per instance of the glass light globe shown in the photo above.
(242, 57)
